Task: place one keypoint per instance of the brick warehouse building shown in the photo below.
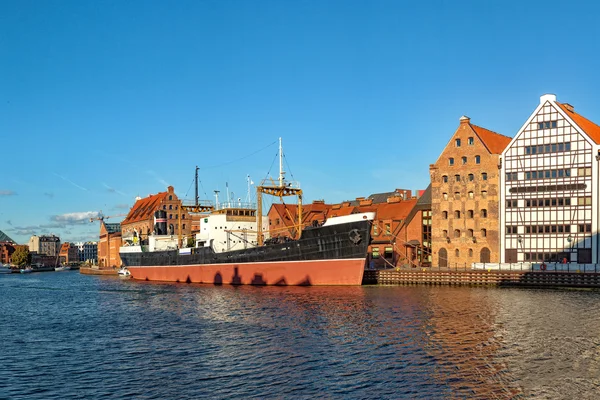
(109, 244)
(551, 188)
(140, 219)
(465, 195)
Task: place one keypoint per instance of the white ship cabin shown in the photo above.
(231, 227)
(350, 218)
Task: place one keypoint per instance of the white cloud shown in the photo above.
(74, 218)
(7, 193)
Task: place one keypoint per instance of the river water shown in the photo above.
(69, 336)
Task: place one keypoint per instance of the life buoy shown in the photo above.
(543, 266)
(354, 236)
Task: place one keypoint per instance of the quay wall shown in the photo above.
(502, 278)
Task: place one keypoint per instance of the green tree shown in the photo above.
(21, 256)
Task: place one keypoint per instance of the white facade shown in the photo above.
(226, 232)
(549, 189)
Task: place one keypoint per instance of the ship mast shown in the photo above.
(279, 189)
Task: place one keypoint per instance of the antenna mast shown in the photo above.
(281, 173)
(248, 179)
(197, 185)
(216, 199)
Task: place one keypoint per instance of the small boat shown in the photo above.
(62, 268)
(124, 272)
(26, 270)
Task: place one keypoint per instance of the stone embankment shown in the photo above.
(503, 278)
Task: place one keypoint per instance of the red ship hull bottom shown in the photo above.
(295, 273)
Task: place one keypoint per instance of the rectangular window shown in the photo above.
(451, 161)
(477, 160)
(483, 176)
(457, 141)
(375, 253)
(388, 229)
(471, 141)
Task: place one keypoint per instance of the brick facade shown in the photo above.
(141, 216)
(465, 195)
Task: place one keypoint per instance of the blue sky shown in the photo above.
(102, 101)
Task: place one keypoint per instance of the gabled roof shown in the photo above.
(143, 209)
(5, 238)
(495, 142)
(590, 128)
(396, 211)
(424, 202)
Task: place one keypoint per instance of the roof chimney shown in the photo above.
(547, 97)
(569, 107)
(464, 119)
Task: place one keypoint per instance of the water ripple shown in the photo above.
(68, 336)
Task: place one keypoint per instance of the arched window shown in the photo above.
(484, 193)
(457, 141)
(457, 195)
(470, 233)
(443, 258)
(457, 253)
(483, 176)
(444, 214)
(471, 177)
(464, 160)
(471, 194)
(469, 213)
(456, 214)
(485, 255)
(477, 160)
(170, 206)
(445, 196)
(470, 253)
(445, 178)
(483, 213)
(444, 233)
(170, 197)
(483, 232)
(457, 178)
(457, 233)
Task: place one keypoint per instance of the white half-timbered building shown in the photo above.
(550, 188)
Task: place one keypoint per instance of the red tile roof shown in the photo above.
(396, 211)
(144, 208)
(495, 142)
(590, 128)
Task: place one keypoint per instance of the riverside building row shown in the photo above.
(492, 198)
(531, 198)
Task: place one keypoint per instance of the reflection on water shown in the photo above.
(72, 336)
